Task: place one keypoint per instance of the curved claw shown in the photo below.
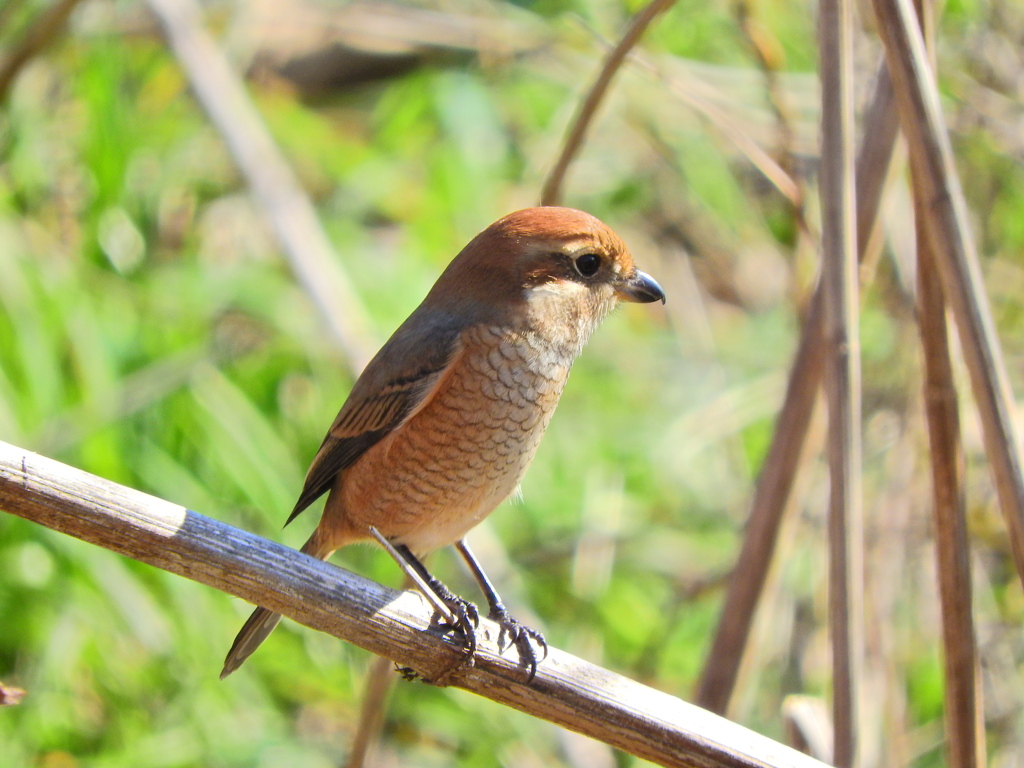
(467, 619)
(472, 612)
(520, 635)
(466, 615)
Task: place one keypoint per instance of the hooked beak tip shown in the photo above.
(641, 288)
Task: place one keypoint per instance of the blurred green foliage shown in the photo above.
(151, 333)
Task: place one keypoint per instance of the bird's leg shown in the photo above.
(518, 633)
(460, 614)
(466, 617)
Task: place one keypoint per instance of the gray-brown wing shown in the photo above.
(401, 377)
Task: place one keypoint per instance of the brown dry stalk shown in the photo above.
(965, 733)
(552, 191)
(946, 219)
(775, 483)
(380, 679)
(274, 185)
(965, 743)
(842, 375)
(399, 625)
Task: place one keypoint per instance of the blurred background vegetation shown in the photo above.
(151, 333)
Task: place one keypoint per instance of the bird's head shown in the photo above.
(552, 269)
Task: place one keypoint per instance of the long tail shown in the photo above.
(253, 633)
(262, 622)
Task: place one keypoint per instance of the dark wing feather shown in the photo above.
(397, 381)
(334, 455)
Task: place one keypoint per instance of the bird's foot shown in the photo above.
(466, 620)
(518, 634)
(465, 615)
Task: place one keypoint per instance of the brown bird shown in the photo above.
(440, 427)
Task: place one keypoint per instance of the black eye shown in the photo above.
(588, 264)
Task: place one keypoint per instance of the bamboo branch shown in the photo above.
(552, 191)
(842, 374)
(273, 183)
(566, 690)
(921, 116)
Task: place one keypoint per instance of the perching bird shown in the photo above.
(440, 427)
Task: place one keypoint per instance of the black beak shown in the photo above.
(640, 288)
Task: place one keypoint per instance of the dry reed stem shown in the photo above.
(955, 256)
(965, 743)
(272, 181)
(874, 163)
(965, 733)
(46, 27)
(783, 460)
(399, 625)
(842, 375)
(552, 191)
(759, 45)
(377, 687)
(380, 679)
(732, 130)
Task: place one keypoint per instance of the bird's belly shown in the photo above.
(439, 474)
